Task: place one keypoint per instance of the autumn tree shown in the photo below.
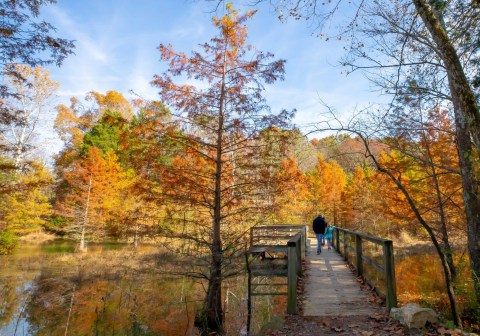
(292, 194)
(361, 206)
(419, 45)
(112, 101)
(132, 131)
(92, 119)
(27, 209)
(94, 193)
(32, 96)
(418, 177)
(24, 202)
(216, 172)
(25, 39)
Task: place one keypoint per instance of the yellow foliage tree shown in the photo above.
(326, 184)
(27, 209)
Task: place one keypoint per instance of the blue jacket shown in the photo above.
(329, 232)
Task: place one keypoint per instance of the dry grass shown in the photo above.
(37, 237)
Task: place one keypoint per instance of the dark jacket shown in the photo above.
(319, 225)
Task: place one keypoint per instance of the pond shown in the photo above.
(113, 289)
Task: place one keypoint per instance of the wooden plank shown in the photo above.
(373, 264)
(272, 293)
(270, 273)
(273, 237)
(332, 290)
(365, 236)
(268, 248)
(277, 263)
(273, 285)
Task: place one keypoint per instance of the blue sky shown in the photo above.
(117, 44)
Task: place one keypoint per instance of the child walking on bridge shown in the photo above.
(328, 235)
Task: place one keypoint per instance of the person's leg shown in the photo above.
(319, 242)
(329, 243)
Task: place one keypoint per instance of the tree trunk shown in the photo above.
(211, 317)
(82, 247)
(467, 122)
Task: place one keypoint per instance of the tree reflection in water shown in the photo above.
(44, 291)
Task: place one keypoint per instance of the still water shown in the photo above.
(112, 289)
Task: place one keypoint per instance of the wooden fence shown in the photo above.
(266, 244)
(386, 267)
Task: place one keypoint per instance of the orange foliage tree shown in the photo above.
(217, 171)
(326, 184)
(96, 187)
(361, 204)
(416, 173)
(292, 194)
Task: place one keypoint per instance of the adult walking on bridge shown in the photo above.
(319, 225)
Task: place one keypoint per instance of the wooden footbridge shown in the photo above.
(285, 252)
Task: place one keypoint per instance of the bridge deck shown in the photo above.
(330, 287)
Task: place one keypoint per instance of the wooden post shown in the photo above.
(249, 297)
(303, 242)
(292, 279)
(358, 252)
(251, 236)
(306, 235)
(389, 265)
(299, 255)
(345, 251)
(337, 240)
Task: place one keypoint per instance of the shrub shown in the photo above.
(57, 225)
(8, 241)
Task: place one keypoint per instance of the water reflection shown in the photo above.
(112, 290)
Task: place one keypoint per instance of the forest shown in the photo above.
(189, 173)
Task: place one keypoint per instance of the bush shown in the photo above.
(57, 225)
(8, 241)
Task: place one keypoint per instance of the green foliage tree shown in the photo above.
(105, 134)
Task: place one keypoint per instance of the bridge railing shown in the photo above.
(288, 239)
(341, 239)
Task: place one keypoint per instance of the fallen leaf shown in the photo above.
(325, 323)
(443, 331)
(368, 333)
(336, 329)
(377, 317)
(353, 325)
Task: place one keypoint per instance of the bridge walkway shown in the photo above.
(331, 289)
